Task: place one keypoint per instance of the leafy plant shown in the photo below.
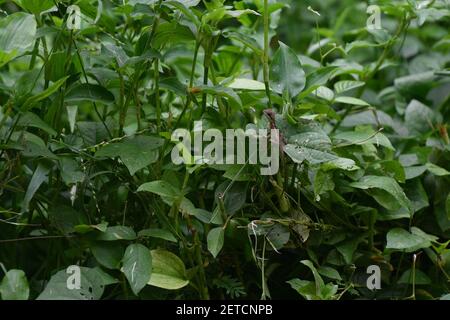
(92, 91)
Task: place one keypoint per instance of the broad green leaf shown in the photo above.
(313, 156)
(286, 73)
(157, 233)
(348, 248)
(352, 101)
(420, 277)
(30, 102)
(414, 172)
(221, 92)
(278, 236)
(316, 290)
(400, 239)
(40, 175)
(329, 272)
(323, 182)
(115, 52)
(35, 6)
(340, 163)
(17, 35)
(386, 184)
(436, 170)
(30, 119)
(373, 117)
(168, 271)
(137, 266)
(246, 40)
(419, 118)
(161, 188)
(71, 171)
(363, 136)
(246, 84)
(92, 286)
(108, 254)
(347, 85)
(215, 241)
(117, 233)
(136, 153)
(317, 278)
(172, 32)
(324, 93)
(65, 218)
(317, 78)
(306, 289)
(234, 197)
(89, 92)
(14, 286)
(183, 6)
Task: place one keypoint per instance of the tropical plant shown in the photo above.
(91, 92)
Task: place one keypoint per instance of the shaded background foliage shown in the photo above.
(86, 177)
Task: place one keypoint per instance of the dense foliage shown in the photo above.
(86, 174)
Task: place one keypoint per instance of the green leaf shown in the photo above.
(136, 153)
(89, 92)
(317, 78)
(386, 184)
(305, 288)
(108, 254)
(286, 73)
(420, 277)
(215, 241)
(35, 6)
(137, 266)
(347, 85)
(30, 119)
(17, 35)
(316, 290)
(301, 154)
(278, 236)
(246, 84)
(222, 92)
(117, 233)
(324, 93)
(352, 101)
(92, 286)
(363, 136)
(168, 271)
(329, 272)
(14, 286)
(30, 102)
(323, 182)
(40, 175)
(161, 188)
(65, 218)
(419, 118)
(183, 6)
(157, 233)
(246, 40)
(400, 239)
(436, 170)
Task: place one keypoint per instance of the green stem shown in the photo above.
(157, 96)
(266, 51)
(374, 71)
